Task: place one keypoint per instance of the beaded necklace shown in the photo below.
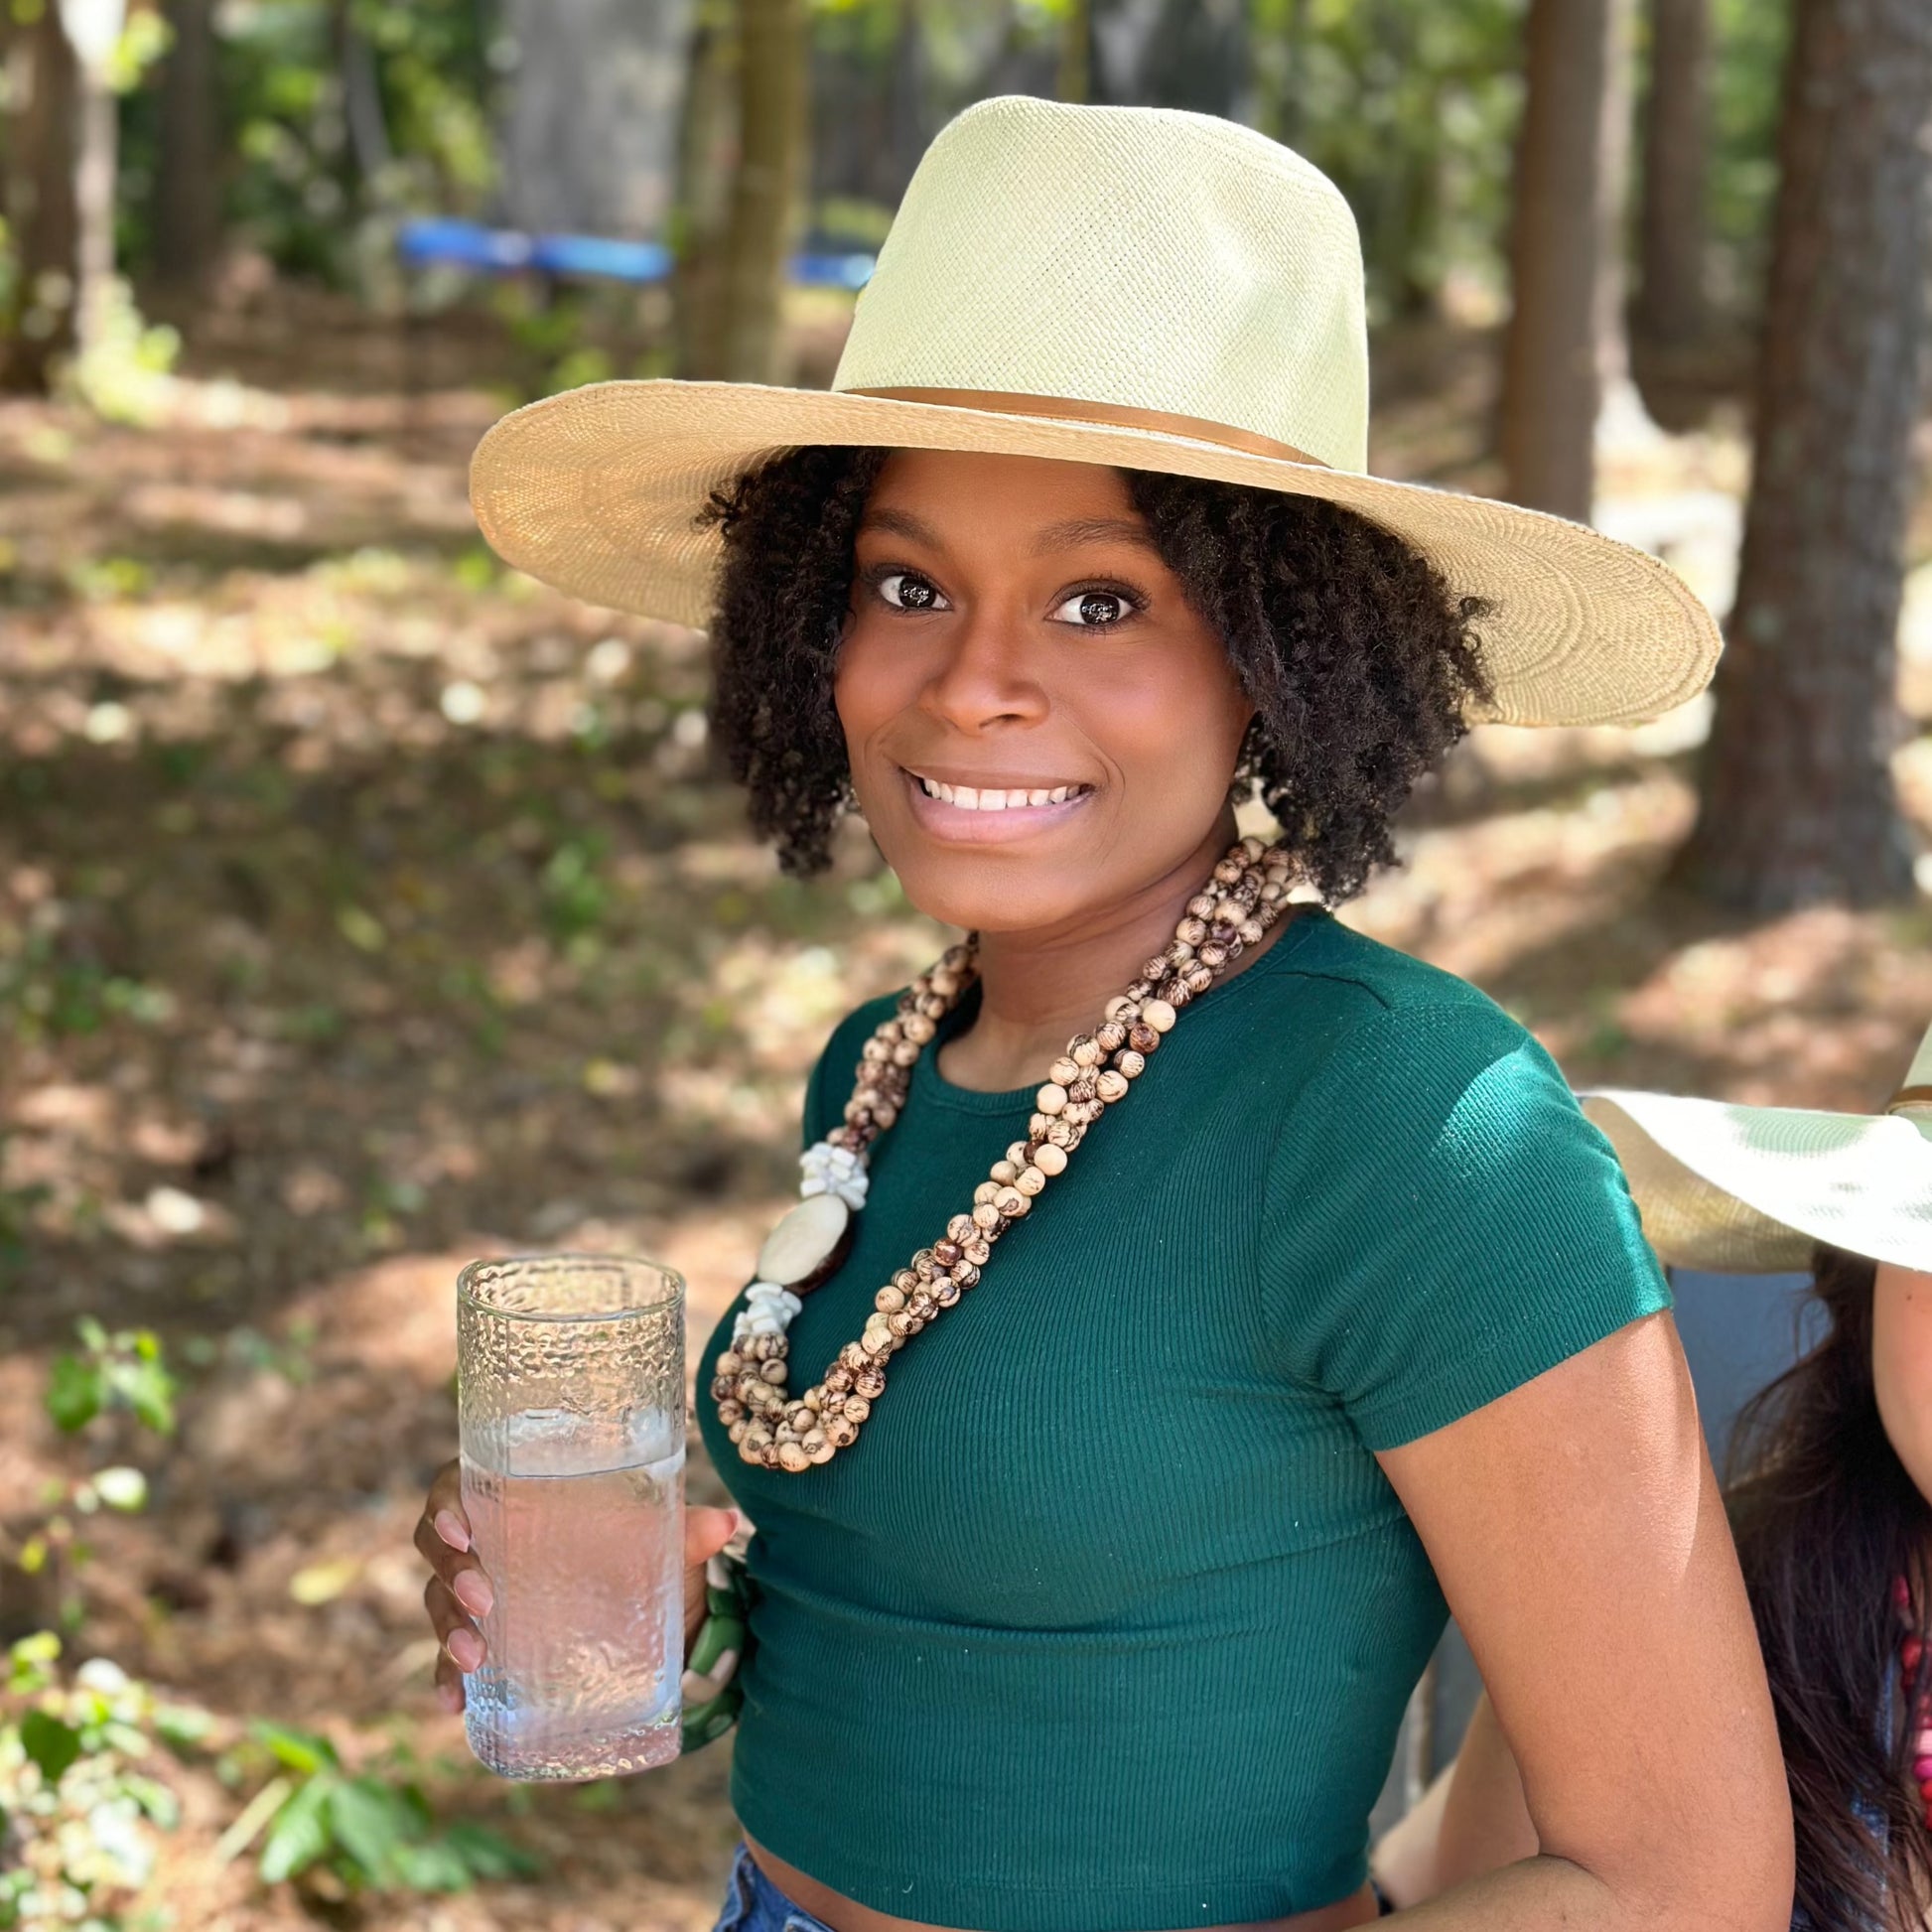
(1240, 901)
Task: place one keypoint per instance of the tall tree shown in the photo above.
(706, 146)
(1564, 344)
(1076, 76)
(1672, 230)
(43, 123)
(188, 173)
(1798, 803)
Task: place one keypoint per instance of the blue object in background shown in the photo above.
(440, 242)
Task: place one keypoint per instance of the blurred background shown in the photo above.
(365, 907)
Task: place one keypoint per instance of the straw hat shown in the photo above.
(1750, 1190)
(1131, 286)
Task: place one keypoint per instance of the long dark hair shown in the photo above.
(1825, 1519)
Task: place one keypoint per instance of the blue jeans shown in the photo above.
(753, 1904)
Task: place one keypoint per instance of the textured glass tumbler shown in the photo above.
(570, 1390)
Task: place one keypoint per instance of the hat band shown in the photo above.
(1910, 1097)
(1115, 415)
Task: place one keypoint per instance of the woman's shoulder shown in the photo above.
(1349, 993)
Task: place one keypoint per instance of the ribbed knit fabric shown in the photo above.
(1107, 1621)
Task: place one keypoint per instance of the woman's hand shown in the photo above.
(458, 1592)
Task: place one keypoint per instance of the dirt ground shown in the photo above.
(364, 908)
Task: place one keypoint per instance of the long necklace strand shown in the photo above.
(1243, 898)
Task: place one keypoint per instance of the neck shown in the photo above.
(1040, 986)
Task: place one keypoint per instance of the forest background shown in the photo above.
(365, 907)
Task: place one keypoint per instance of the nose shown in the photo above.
(986, 674)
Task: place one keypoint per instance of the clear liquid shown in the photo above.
(584, 1642)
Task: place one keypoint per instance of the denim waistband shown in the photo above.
(753, 1904)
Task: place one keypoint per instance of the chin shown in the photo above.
(983, 893)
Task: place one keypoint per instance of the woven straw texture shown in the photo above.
(1749, 1189)
(1142, 259)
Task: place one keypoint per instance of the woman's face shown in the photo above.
(1039, 723)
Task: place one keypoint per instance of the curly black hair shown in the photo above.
(1359, 660)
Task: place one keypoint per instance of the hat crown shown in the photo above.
(1138, 258)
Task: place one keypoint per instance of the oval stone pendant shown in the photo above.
(807, 1245)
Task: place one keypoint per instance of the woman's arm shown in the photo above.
(1471, 1819)
(1577, 1533)
(1901, 1365)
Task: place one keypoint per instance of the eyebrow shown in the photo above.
(1057, 536)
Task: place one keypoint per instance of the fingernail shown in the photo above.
(449, 1526)
(466, 1649)
(474, 1593)
(738, 1523)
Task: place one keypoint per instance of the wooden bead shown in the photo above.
(1081, 1090)
(946, 1293)
(1155, 966)
(986, 1216)
(1159, 1014)
(1064, 1072)
(905, 1280)
(978, 1251)
(1031, 1181)
(917, 1028)
(728, 1363)
(1110, 1086)
(1253, 848)
(1131, 1063)
(889, 1301)
(821, 1454)
(729, 1412)
(1116, 1008)
(1228, 872)
(1142, 1037)
(1109, 1037)
(1252, 932)
(945, 1253)
(837, 1381)
(1203, 907)
(1050, 1159)
(792, 1456)
(904, 1053)
(737, 1428)
(859, 1407)
(924, 1266)
(1214, 955)
(1192, 929)
(1198, 979)
(965, 1275)
(841, 1431)
(985, 1191)
(1003, 1172)
(1060, 1134)
(923, 1302)
(1052, 1098)
(774, 1371)
(853, 1358)
(1016, 1154)
(1085, 1052)
(901, 1324)
(960, 1227)
(869, 1383)
(1011, 1202)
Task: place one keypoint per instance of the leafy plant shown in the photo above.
(373, 1830)
(124, 1371)
(78, 1791)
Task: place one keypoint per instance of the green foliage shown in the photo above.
(77, 1789)
(46, 993)
(373, 1830)
(124, 1371)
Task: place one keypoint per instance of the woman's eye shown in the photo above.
(1093, 610)
(905, 592)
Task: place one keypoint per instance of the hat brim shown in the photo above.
(598, 491)
(1736, 1190)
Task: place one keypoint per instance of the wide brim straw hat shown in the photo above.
(1732, 1189)
(1130, 286)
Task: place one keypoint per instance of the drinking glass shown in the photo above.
(570, 1379)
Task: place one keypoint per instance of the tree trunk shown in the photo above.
(1563, 327)
(1798, 803)
(188, 178)
(707, 136)
(44, 100)
(765, 189)
(1077, 74)
(1671, 228)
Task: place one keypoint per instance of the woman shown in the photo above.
(1102, 1616)
(1834, 1464)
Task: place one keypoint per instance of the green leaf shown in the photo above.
(369, 1822)
(489, 1855)
(299, 1750)
(300, 1833)
(149, 1390)
(434, 1866)
(73, 1392)
(51, 1744)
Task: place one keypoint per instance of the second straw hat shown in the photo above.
(1131, 286)
(1752, 1189)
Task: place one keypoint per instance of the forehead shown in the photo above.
(952, 487)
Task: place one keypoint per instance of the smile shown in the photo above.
(983, 814)
(994, 798)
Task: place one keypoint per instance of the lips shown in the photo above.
(991, 814)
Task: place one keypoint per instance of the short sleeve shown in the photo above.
(1442, 1223)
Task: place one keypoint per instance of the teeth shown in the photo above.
(970, 798)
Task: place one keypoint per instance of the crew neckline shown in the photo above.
(933, 1086)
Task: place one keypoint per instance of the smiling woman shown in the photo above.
(1201, 1297)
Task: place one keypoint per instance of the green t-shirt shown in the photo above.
(1107, 1621)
